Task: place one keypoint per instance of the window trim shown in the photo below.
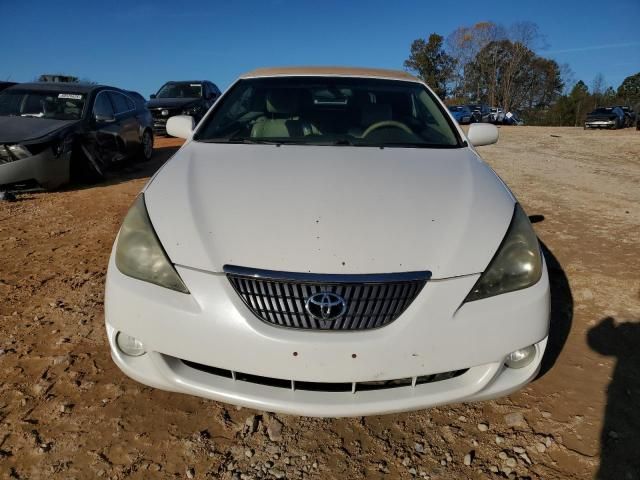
(124, 95)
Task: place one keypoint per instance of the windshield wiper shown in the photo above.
(410, 145)
(247, 140)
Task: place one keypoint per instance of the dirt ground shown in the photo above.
(66, 411)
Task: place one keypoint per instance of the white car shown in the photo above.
(328, 242)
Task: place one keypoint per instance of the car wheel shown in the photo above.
(146, 146)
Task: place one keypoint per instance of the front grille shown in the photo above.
(280, 298)
(156, 113)
(352, 387)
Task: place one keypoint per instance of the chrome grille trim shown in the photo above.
(278, 298)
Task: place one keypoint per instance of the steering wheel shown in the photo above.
(384, 124)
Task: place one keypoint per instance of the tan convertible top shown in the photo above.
(330, 71)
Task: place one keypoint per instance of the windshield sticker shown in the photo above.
(71, 96)
(194, 84)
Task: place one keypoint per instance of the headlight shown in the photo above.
(139, 253)
(516, 265)
(18, 151)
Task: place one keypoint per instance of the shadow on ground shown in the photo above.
(620, 436)
(131, 170)
(561, 311)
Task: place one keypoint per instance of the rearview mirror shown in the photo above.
(152, 96)
(180, 126)
(104, 118)
(482, 134)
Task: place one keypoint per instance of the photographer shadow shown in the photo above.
(620, 436)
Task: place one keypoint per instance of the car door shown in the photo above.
(129, 132)
(101, 143)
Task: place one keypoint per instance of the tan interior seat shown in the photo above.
(282, 119)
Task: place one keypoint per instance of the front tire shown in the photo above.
(146, 146)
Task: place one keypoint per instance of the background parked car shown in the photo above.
(461, 113)
(511, 118)
(605, 117)
(50, 132)
(193, 97)
(480, 113)
(629, 115)
(496, 115)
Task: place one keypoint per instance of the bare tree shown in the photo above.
(524, 36)
(568, 78)
(464, 44)
(597, 88)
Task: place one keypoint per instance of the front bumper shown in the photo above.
(212, 327)
(160, 126)
(43, 168)
(600, 123)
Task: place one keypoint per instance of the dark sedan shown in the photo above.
(605, 117)
(191, 98)
(480, 113)
(51, 132)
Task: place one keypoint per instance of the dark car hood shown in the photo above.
(171, 102)
(21, 129)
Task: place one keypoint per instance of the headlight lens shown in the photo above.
(18, 151)
(517, 263)
(139, 253)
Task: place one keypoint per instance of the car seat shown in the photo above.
(282, 118)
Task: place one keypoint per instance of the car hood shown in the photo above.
(171, 102)
(21, 129)
(329, 209)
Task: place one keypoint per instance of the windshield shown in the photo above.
(329, 111)
(180, 90)
(36, 103)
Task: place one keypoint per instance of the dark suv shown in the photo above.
(181, 98)
(480, 113)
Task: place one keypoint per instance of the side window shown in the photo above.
(119, 102)
(214, 90)
(130, 104)
(103, 105)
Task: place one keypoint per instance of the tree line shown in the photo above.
(496, 65)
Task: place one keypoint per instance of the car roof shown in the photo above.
(330, 72)
(59, 86)
(188, 81)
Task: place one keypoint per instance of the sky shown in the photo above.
(141, 44)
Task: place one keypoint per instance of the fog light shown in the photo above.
(521, 358)
(129, 345)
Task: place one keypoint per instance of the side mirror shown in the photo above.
(104, 118)
(180, 126)
(152, 96)
(482, 134)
